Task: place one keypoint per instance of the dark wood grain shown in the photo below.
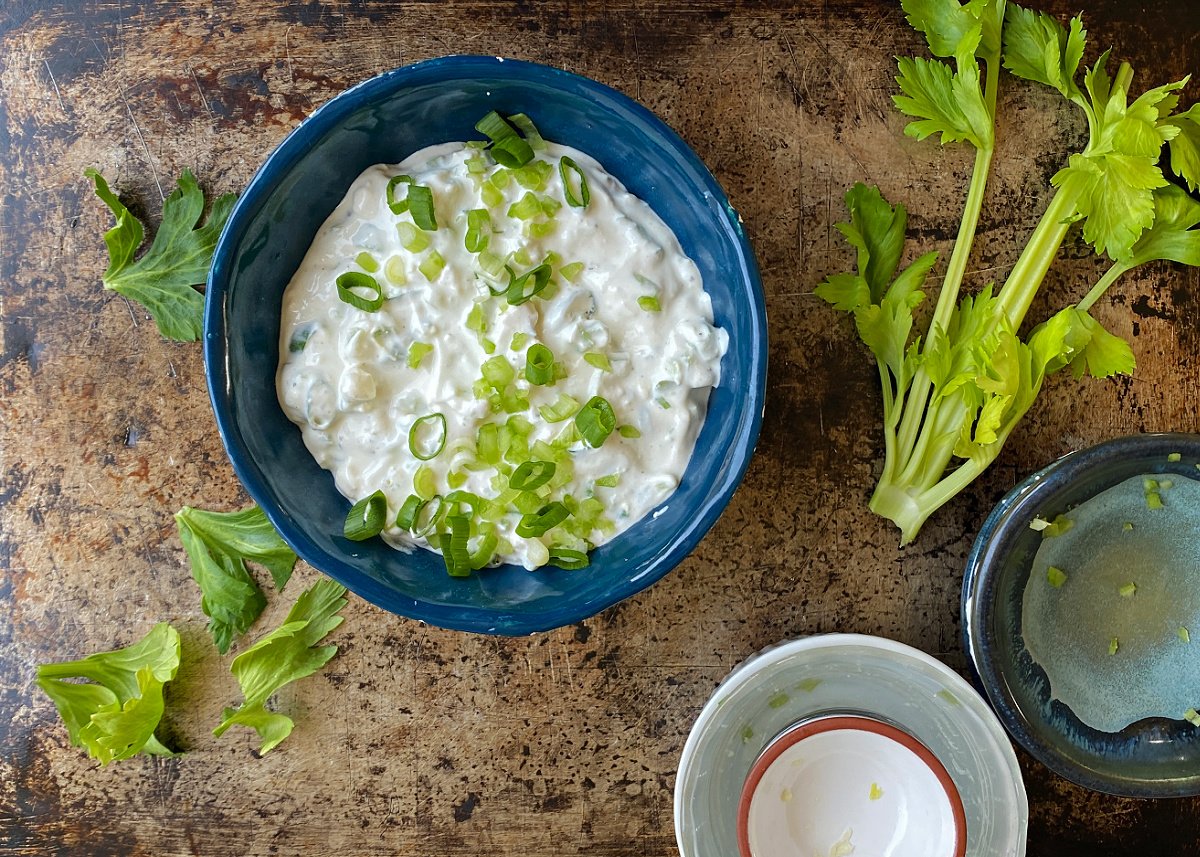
(421, 741)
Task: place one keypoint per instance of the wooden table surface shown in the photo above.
(416, 740)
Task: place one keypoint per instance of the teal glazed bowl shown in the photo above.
(383, 120)
(1153, 757)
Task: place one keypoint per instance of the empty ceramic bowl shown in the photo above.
(383, 121)
(1077, 607)
(842, 741)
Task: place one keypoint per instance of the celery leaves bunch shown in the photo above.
(952, 397)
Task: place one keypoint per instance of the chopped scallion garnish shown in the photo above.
(398, 206)
(454, 546)
(412, 239)
(612, 480)
(1128, 590)
(600, 361)
(568, 559)
(479, 226)
(432, 265)
(528, 285)
(409, 511)
(512, 152)
(366, 518)
(596, 421)
(1056, 577)
(420, 205)
(629, 431)
(649, 303)
(539, 365)
(571, 272)
(367, 262)
(531, 475)
(543, 520)
(525, 125)
(495, 127)
(564, 407)
(360, 290)
(427, 437)
(394, 271)
(427, 516)
(574, 191)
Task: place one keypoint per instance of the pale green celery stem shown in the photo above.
(921, 388)
(1103, 284)
(1026, 276)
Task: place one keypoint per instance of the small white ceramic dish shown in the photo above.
(851, 783)
(880, 679)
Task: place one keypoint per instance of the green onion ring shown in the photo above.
(366, 518)
(566, 164)
(420, 205)
(517, 293)
(408, 512)
(512, 152)
(568, 559)
(539, 364)
(596, 421)
(531, 475)
(398, 206)
(543, 520)
(422, 451)
(358, 280)
(454, 546)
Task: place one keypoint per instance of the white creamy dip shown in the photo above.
(347, 377)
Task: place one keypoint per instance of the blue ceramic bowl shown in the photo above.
(382, 121)
(1154, 757)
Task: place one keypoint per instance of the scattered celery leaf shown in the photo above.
(217, 545)
(179, 257)
(115, 717)
(1104, 354)
(1171, 237)
(287, 654)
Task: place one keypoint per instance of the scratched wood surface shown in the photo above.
(421, 741)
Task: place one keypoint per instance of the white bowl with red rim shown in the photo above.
(877, 679)
(845, 781)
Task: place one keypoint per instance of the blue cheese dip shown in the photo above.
(623, 313)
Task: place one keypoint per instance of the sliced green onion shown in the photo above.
(492, 265)
(564, 407)
(420, 205)
(629, 431)
(479, 224)
(427, 516)
(518, 341)
(525, 125)
(1113, 646)
(427, 437)
(531, 475)
(300, 338)
(417, 352)
(512, 152)
(465, 498)
(520, 257)
(1192, 716)
(568, 559)
(1128, 590)
(485, 549)
(527, 502)
(412, 239)
(432, 265)
(1056, 577)
(351, 283)
(600, 361)
(528, 285)
(571, 271)
(575, 198)
(649, 303)
(454, 546)
(1183, 635)
(398, 206)
(366, 517)
(1174, 456)
(494, 127)
(1154, 500)
(596, 421)
(539, 365)
(476, 165)
(424, 482)
(541, 521)
(409, 511)
(612, 480)
(367, 262)
(394, 271)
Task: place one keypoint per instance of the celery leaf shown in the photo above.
(287, 654)
(1185, 147)
(114, 716)
(1104, 354)
(1038, 48)
(938, 99)
(179, 257)
(1172, 236)
(218, 545)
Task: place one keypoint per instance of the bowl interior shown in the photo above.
(382, 121)
(853, 779)
(1153, 757)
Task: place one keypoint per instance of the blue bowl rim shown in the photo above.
(978, 597)
(461, 617)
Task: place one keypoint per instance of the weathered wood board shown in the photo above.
(421, 741)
